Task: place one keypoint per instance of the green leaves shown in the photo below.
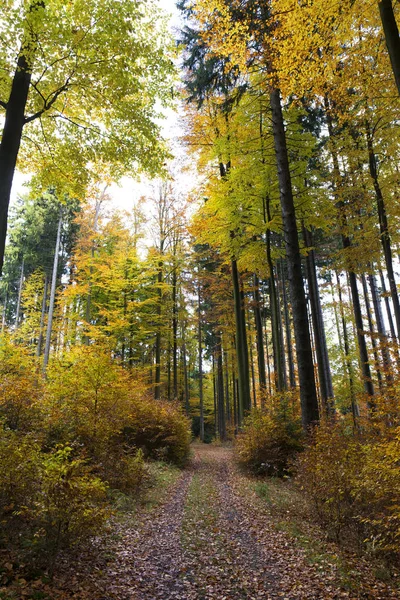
(100, 72)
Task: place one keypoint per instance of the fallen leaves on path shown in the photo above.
(212, 539)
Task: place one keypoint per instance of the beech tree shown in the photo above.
(79, 82)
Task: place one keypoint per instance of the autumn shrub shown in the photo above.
(87, 399)
(70, 505)
(21, 387)
(20, 469)
(353, 481)
(325, 471)
(159, 428)
(269, 441)
(124, 471)
(47, 500)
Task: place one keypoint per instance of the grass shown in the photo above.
(161, 476)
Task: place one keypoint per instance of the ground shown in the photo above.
(213, 538)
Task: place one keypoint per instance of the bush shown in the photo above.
(71, 503)
(353, 481)
(124, 471)
(51, 500)
(87, 399)
(268, 442)
(159, 428)
(20, 387)
(20, 467)
(325, 471)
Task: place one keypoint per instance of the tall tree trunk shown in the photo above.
(292, 377)
(278, 351)
(174, 334)
(228, 419)
(280, 329)
(362, 346)
(52, 296)
(220, 387)
(268, 360)
(234, 397)
(259, 340)
(42, 316)
(372, 330)
(241, 346)
(253, 375)
(388, 309)
(383, 226)
(20, 288)
(324, 371)
(391, 36)
(308, 393)
(3, 320)
(387, 363)
(200, 350)
(214, 376)
(157, 381)
(88, 311)
(185, 376)
(354, 406)
(346, 243)
(15, 121)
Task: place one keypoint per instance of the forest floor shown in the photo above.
(216, 535)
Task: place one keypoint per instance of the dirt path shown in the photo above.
(214, 539)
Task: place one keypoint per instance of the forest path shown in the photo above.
(214, 539)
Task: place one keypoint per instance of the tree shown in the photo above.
(84, 87)
(392, 38)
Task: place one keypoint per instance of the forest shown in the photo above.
(199, 383)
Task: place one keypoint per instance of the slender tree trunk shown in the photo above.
(3, 320)
(388, 309)
(88, 311)
(157, 382)
(308, 393)
(383, 226)
(268, 361)
(292, 377)
(279, 368)
(200, 349)
(220, 388)
(228, 419)
(216, 424)
(52, 296)
(280, 329)
(354, 406)
(185, 377)
(259, 340)
(253, 376)
(324, 371)
(372, 330)
(241, 347)
(387, 363)
(362, 346)
(20, 288)
(174, 335)
(42, 316)
(234, 397)
(339, 333)
(391, 36)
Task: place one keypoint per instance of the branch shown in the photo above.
(48, 102)
(3, 104)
